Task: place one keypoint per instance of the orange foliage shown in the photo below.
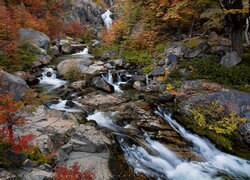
(75, 28)
(119, 29)
(143, 40)
(73, 173)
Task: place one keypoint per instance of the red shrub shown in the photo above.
(73, 173)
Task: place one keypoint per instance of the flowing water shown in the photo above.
(106, 17)
(50, 80)
(152, 158)
(166, 164)
(85, 51)
(109, 78)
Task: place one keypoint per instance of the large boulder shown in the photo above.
(34, 37)
(89, 148)
(198, 51)
(101, 84)
(230, 59)
(13, 85)
(84, 11)
(204, 94)
(84, 67)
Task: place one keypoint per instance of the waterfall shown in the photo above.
(84, 52)
(61, 106)
(165, 164)
(109, 79)
(106, 17)
(49, 78)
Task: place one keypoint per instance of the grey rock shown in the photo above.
(43, 59)
(28, 77)
(85, 11)
(44, 143)
(78, 85)
(235, 102)
(109, 54)
(198, 51)
(54, 51)
(160, 71)
(102, 100)
(101, 84)
(6, 175)
(176, 49)
(230, 59)
(172, 59)
(14, 85)
(34, 174)
(34, 37)
(29, 163)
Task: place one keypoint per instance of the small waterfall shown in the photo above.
(202, 146)
(84, 52)
(106, 17)
(165, 164)
(109, 78)
(49, 78)
(61, 106)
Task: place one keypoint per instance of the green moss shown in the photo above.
(148, 69)
(137, 56)
(210, 69)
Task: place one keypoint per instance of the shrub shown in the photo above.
(210, 69)
(35, 154)
(73, 173)
(137, 56)
(10, 116)
(73, 74)
(214, 117)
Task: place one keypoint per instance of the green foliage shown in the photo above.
(148, 69)
(192, 43)
(4, 148)
(24, 58)
(137, 56)
(176, 74)
(36, 155)
(210, 69)
(26, 55)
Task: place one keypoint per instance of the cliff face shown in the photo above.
(85, 11)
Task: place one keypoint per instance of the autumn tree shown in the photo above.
(10, 117)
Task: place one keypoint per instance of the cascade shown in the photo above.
(51, 80)
(106, 17)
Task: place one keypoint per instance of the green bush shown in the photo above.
(36, 155)
(137, 56)
(22, 60)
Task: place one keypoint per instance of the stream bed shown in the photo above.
(150, 156)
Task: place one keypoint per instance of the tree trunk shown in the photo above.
(237, 33)
(237, 42)
(179, 31)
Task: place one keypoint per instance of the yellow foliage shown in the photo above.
(215, 118)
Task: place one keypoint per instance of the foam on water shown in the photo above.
(53, 82)
(165, 164)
